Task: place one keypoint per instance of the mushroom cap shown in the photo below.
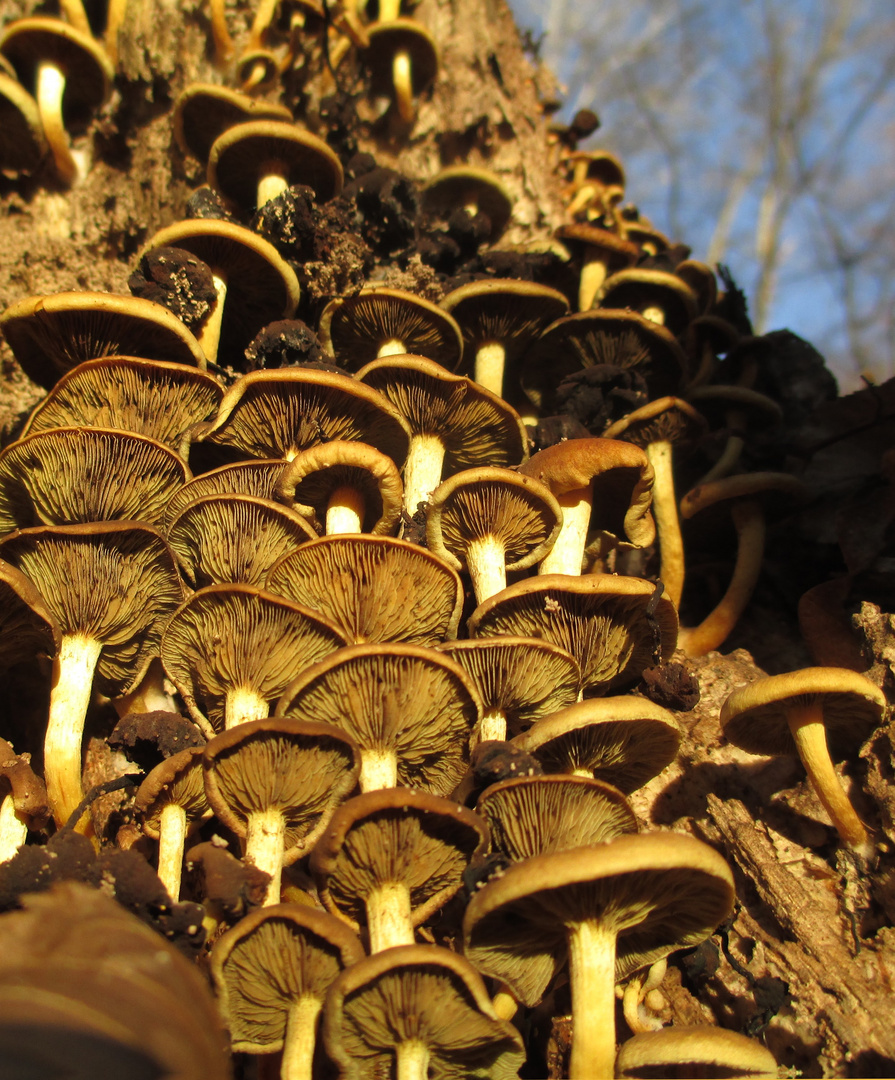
(604, 620)
(623, 741)
(622, 339)
(177, 780)
(536, 815)
(659, 891)
(63, 476)
(279, 413)
(405, 699)
(754, 716)
(598, 165)
(254, 478)
(374, 587)
(639, 289)
(204, 111)
(387, 39)
(666, 419)
(476, 426)
(718, 401)
(465, 185)
(148, 397)
(515, 509)
(239, 156)
(227, 637)
(353, 328)
(22, 142)
(271, 959)
(302, 769)
(689, 1052)
(51, 334)
(526, 678)
(425, 994)
(777, 492)
(28, 628)
(314, 476)
(621, 478)
(395, 836)
(234, 538)
(614, 250)
(701, 279)
(261, 285)
(88, 71)
(115, 581)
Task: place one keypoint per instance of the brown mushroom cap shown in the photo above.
(623, 741)
(410, 709)
(22, 142)
(401, 37)
(658, 296)
(28, 627)
(203, 111)
(51, 334)
(606, 621)
(377, 322)
(374, 588)
(688, 1053)
(480, 191)
(254, 478)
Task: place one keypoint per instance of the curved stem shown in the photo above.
(300, 1039)
(171, 839)
(592, 978)
(264, 16)
(485, 561)
(210, 334)
(567, 554)
(728, 460)
(389, 920)
(345, 511)
(490, 360)
(223, 43)
(264, 845)
(50, 88)
(74, 12)
(668, 525)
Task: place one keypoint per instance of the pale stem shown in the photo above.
(243, 703)
(389, 10)
(274, 181)
(50, 88)
(300, 1038)
(485, 561)
(73, 670)
(265, 842)
(389, 919)
(505, 1004)
(223, 43)
(668, 525)
(13, 831)
(583, 197)
(654, 314)
(593, 274)
(345, 511)
(264, 16)
(402, 79)
(493, 725)
(490, 359)
(581, 771)
(592, 978)
(422, 471)
(807, 726)
(210, 334)
(392, 347)
(378, 768)
(728, 460)
(719, 623)
(74, 12)
(114, 21)
(412, 1060)
(171, 838)
(567, 554)
(151, 694)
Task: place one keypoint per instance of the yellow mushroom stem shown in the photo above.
(264, 16)
(74, 12)
(490, 360)
(274, 179)
(13, 831)
(220, 35)
(50, 89)
(592, 978)
(485, 561)
(345, 511)
(389, 916)
(493, 725)
(264, 845)
(749, 522)
(635, 994)
(389, 10)
(392, 347)
(300, 1038)
(210, 334)
(593, 274)
(171, 839)
(244, 703)
(806, 723)
(114, 21)
(402, 80)
(654, 313)
(567, 554)
(411, 1060)
(422, 470)
(150, 695)
(378, 768)
(504, 1003)
(668, 524)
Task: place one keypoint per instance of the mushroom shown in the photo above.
(403, 61)
(474, 190)
(257, 479)
(23, 800)
(658, 296)
(22, 142)
(608, 910)
(204, 111)
(698, 1051)
(602, 253)
(815, 712)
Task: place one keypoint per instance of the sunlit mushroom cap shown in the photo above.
(754, 716)
(659, 891)
(624, 741)
(687, 1052)
(374, 587)
(51, 334)
(203, 111)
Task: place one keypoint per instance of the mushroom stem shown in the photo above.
(592, 978)
(50, 88)
(378, 768)
(264, 16)
(274, 181)
(73, 670)
(210, 334)
(264, 845)
(392, 347)
(493, 725)
(593, 274)
(486, 562)
(171, 838)
(345, 511)
(715, 627)
(567, 554)
(505, 1004)
(402, 79)
(13, 831)
(668, 524)
(411, 1060)
(389, 10)
(490, 361)
(654, 314)
(728, 461)
(422, 471)
(244, 703)
(150, 694)
(389, 921)
(74, 12)
(220, 35)
(300, 1039)
(115, 16)
(807, 726)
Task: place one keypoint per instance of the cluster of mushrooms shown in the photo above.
(379, 595)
